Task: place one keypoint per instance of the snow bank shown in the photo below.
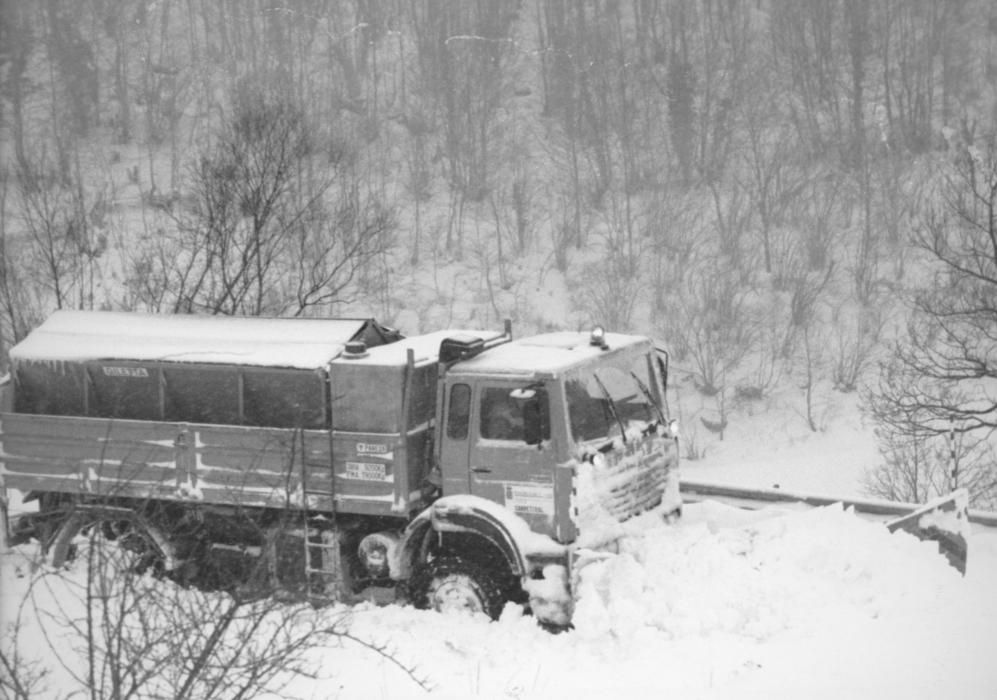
(727, 604)
(734, 604)
(754, 580)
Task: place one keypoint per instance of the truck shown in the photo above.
(329, 458)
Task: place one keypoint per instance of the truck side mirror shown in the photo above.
(533, 400)
(524, 394)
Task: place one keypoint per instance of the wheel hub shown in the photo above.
(456, 594)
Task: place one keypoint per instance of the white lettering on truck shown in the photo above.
(136, 372)
(530, 499)
(366, 471)
(371, 448)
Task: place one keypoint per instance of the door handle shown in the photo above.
(481, 470)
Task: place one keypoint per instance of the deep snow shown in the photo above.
(727, 604)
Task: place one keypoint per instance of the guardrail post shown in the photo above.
(4, 518)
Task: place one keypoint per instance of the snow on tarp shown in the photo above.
(78, 336)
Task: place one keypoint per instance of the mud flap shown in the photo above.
(944, 520)
(60, 549)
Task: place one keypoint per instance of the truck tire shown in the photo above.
(451, 584)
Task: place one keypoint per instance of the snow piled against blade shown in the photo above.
(730, 604)
(754, 580)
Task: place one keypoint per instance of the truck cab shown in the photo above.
(329, 457)
(518, 419)
(568, 432)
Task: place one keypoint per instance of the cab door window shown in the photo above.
(501, 415)
(504, 417)
(459, 413)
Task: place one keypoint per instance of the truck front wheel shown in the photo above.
(450, 583)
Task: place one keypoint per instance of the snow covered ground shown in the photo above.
(769, 445)
(727, 604)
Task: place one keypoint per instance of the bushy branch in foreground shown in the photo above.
(134, 634)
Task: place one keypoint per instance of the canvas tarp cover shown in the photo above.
(79, 336)
(220, 370)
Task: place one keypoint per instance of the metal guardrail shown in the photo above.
(752, 498)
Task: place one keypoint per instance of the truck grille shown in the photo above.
(631, 483)
(632, 488)
(616, 486)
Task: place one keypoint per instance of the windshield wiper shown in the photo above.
(647, 395)
(612, 405)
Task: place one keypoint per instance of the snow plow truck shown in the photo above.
(332, 458)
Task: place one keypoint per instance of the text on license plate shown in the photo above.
(366, 471)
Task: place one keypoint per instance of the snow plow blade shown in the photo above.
(944, 520)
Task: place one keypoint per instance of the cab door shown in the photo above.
(503, 466)
(455, 439)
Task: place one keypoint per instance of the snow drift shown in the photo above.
(727, 604)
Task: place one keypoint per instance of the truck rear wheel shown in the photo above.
(452, 584)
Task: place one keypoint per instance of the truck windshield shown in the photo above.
(604, 399)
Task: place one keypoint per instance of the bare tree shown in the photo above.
(812, 360)
(732, 207)
(916, 469)
(807, 40)
(62, 246)
(18, 307)
(612, 289)
(136, 634)
(17, 34)
(20, 678)
(712, 323)
(857, 337)
(939, 378)
(260, 237)
(914, 42)
(47, 215)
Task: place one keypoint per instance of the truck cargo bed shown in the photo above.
(217, 464)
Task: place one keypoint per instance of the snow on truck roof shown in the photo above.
(550, 352)
(80, 336)
(265, 342)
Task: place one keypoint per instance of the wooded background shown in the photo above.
(761, 184)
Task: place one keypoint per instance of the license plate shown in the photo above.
(366, 471)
